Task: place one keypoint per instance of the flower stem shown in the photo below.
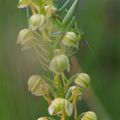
(63, 116)
(47, 99)
(32, 9)
(75, 109)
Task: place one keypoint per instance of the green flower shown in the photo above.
(37, 21)
(70, 39)
(83, 80)
(89, 116)
(23, 3)
(26, 39)
(37, 85)
(59, 63)
(60, 105)
(74, 91)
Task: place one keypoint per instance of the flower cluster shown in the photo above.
(55, 38)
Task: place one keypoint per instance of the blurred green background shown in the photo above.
(100, 20)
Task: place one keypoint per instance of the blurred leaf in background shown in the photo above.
(100, 20)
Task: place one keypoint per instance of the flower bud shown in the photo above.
(74, 91)
(70, 39)
(83, 80)
(60, 105)
(59, 63)
(37, 21)
(43, 118)
(23, 3)
(37, 85)
(26, 39)
(89, 116)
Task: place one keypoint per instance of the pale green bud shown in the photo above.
(43, 118)
(23, 3)
(89, 116)
(59, 63)
(70, 39)
(37, 85)
(60, 105)
(83, 80)
(37, 21)
(74, 91)
(26, 39)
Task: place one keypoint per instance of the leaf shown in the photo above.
(65, 4)
(70, 13)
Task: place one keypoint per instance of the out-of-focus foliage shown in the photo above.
(100, 20)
